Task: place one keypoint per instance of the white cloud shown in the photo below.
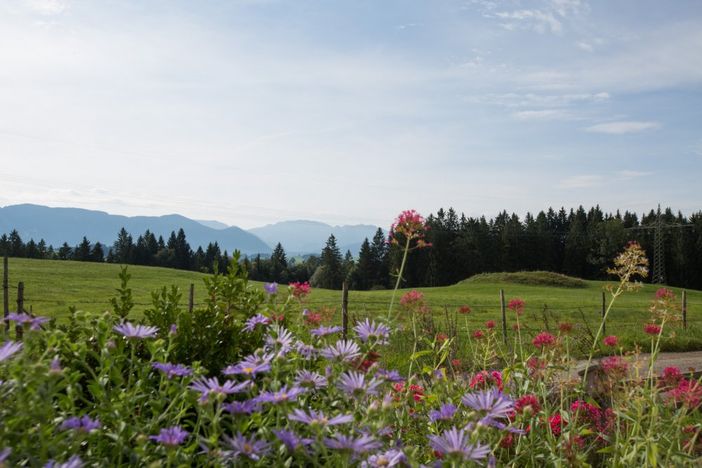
(622, 127)
(582, 45)
(536, 20)
(581, 181)
(47, 7)
(544, 114)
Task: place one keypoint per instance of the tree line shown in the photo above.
(577, 242)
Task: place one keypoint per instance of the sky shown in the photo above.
(256, 111)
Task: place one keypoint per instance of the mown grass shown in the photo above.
(52, 286)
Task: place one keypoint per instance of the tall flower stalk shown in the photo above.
(632, 262)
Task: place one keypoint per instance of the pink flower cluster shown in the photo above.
(544, 340)
(300, 290)
(517, 305)
(411, 226)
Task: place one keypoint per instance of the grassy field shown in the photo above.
(52, 286)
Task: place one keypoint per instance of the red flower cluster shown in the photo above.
(312, 318)
(556, 424)
(517, 305)
(370, 359)
(464, 309)
(614, 367)
(412, 298)
(670, 377)
(441, 337)
(300, 290)
(417, 391)
(665, 294)
(456, 363)
(485, 379)
(652, 329)
(490, 324)
(688, 392)
(527, 404)
(478, 334)
(410, 225)
(543, 340)
(610, 341)
(565, 327)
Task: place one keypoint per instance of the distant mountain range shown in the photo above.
(59, 225)
(301, 237)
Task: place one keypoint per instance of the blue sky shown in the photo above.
(256, 111)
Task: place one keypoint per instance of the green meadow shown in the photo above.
(51, 287)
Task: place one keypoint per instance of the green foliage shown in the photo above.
(531, 278)
(210, 334)
(123, 303)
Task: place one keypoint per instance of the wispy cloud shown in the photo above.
(622, 127)
(581, 181)
(47, 7)
(545, 114)
(535, 20)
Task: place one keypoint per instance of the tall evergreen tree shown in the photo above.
(330, 273)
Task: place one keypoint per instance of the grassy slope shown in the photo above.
(52, 286)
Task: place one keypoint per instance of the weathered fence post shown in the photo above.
(684, 309)
(191, 298)
(604, 311)
(5, 293)
(20, 309)
(504, 315)
(344, 308)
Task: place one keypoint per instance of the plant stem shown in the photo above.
(399, 277)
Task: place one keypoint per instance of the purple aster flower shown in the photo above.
(211, 386)
(20, 318)
(171, 436)
(253, 322)
(8, 349)
(130, 330)
(283, 395)
(55, 366)
(355, 384)
(343, 350)
(280, 339)
(392, 457)
(5, 454)
(172, 370)
(454, 443)
(242, 407)
(310, 379)
(271, 288)
(250, 366)
(73, 462)
(445, 413)
(291, 440)
(317, 418)
(370, 331)
(364, 443)
(37, 322)
(389, 375)
(247, 447)
(173, 329)
(307, 352)
(491, 403)
(82, 424)
(324, 330)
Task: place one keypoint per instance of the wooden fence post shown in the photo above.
(504, 316)
(20, 309)
(344, 309)
(604, 310)
(191, 298)
(5, 293)
(684, 309)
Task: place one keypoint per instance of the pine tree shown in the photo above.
(364, 272)
(330, 273)
(123, 248)
(98, 253)
(16, 245)
(65, 252)
(82, 251)
(278, 265)
(31, 249)
(380, 258)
